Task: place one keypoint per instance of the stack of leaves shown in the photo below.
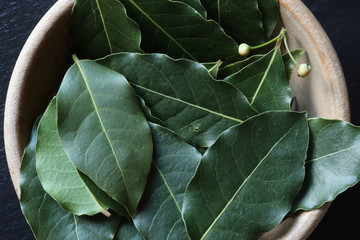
(168, 133)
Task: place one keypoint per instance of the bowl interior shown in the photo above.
(45, 58)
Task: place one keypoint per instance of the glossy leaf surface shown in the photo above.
(58, 175)
(268, 88)
(174, 165)
(246, 181)
(101, 27)
(47, 219)
(333, 162)
(196, 4)
(183, 95)
(103, 197)
(104, 131)
(127, 231)
(178, 30)
(240, 19)
(270, 14)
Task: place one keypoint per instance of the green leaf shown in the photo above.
(183, 95)
(148, 113)
(247, 180)
(101, 27)
(240, 19)
(127, 231)
(270, 15)
(289, 64)
(333, 163)
(194, 4)
(174, 165)
(103, 197)
(237, 66)
(264, 83)
(57, 174)
(178, 30)
(46, 218)
(104, 131)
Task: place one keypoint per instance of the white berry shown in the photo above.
(244, 49)
(304, 70)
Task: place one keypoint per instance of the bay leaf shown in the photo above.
(174, 28)
(103, 197)
(104, 131)
(270, 14)
(183, 95)
(174, 165)
(333, 163)
(127, 231)
(101, 27)
(246, 181)
(264, 83)
(241, 19)
(57, 174)
(46, 218)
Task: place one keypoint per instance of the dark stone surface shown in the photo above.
(341, 21)
(17, 19)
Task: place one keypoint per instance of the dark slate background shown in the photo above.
(340, 19)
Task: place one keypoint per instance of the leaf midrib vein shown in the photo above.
(167, 187)
(163, 30)
(244, 182)
(76, 227)
(101, 123)
(104, 25)
(333, 153)
(265, 74)
(187, 103)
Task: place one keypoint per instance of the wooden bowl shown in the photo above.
(45, 58)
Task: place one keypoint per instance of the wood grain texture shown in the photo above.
(36, 75)
(44, 60)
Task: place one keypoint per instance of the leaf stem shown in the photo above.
(280, 36)
(75, 58)
(105, 212)
(217, 64)
(289, 52)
